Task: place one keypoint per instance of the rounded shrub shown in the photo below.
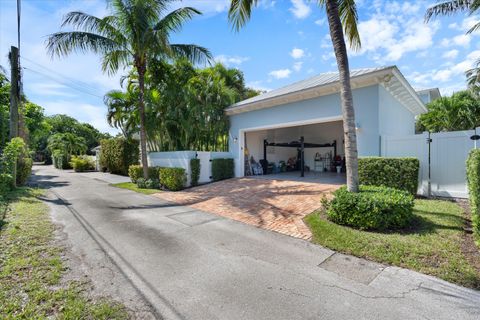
(173, 179)
(135, 171)
(372, 208)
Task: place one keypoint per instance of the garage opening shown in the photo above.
(313, 152)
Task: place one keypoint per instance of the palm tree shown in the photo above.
(135, 32)
(450, 7)
(342, 20)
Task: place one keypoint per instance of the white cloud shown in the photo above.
(300, 9)
(452, 54)
(231, 60)
(320, 22)
(297, 53)
(393, 37)
(258, 85)
(280, 74)
(297, 66)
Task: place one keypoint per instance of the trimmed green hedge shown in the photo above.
(398, 173)
(373, 208)
(135, 172)
(222, 169)
(173, 179)
(195, 171)
(82, 163)
(24, 169)
(6, 183)
(118, 154)
(473, 179)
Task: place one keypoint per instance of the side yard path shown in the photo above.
(32, 283)
(435, 244)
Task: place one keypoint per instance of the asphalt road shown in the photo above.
(188, 264)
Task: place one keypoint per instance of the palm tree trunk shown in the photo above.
(141, 108)
(338, 41)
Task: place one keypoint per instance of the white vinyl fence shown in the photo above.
(442, 159)
(181, 159)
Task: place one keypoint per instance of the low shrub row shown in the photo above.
(398, 173)
(222, 169)
(473, 180)
(118, 154)
(6, 183)
(372, 208)
(135, 172)
(82, 163)
(173, 179)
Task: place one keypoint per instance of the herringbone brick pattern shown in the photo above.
(278, 205)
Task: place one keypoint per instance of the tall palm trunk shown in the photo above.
(338, 41)
(141, 68)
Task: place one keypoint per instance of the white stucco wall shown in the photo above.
(394, 119)
(376, 113)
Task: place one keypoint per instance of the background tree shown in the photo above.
(342, 20)
(184, 105)
(461, 111)
(135, 32)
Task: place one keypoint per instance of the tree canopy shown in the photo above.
(184, 105)
(461, 111)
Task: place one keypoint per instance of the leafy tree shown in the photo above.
(342, 20)
(135, 32)
(184, 106)
(68, 143)
(4, 108)
(461, 111)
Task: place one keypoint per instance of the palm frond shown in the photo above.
(193, 53)
(474, 28)
(349, 17)
(240, 12)
(174, 21)
(112, 60)
(446, 8)
(63, 43)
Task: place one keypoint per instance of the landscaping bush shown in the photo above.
(173, 179)
(24, 169)
(60, 160)
(118, 154)
(148, 183)
(16, 161)
(135, 172)
(82, 163)
(373, 208)
(195, 171)
(473, 180)
(222, 169)
(398, 173)
(6, 183)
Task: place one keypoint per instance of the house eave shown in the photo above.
(409, 98)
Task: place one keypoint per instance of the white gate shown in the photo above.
(442, 159)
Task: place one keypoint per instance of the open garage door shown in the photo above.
(282, 148)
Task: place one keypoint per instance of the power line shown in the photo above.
(72, 86)
(62, 76)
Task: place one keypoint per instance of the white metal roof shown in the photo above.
(328, 83)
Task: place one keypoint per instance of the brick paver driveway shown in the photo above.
(278, 205)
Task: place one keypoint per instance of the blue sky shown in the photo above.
(286, 41)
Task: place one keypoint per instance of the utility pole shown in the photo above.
(14, 91)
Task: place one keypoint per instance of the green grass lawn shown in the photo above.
(132, 186)
(432, 245)
(31, 268)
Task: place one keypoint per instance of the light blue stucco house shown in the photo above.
(385, 105)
